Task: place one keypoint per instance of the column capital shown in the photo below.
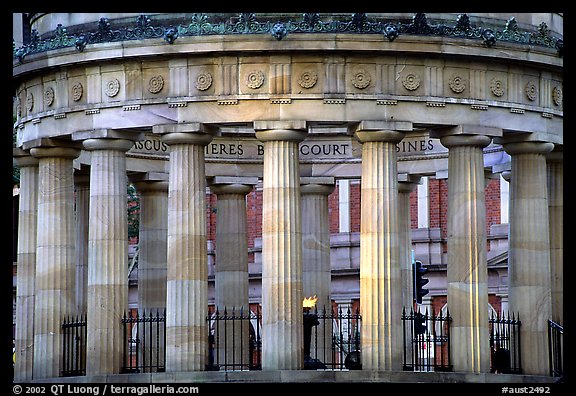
(528, 147)
(465, 140)
(382, 131)
(317, 185)
(506, 175)
(556, 155)
(146, 186)
(465, 129)
(407, 182)
(286, 130)
(23, 158)
(198, 138)
(231, 188)
(107, 144)
(58, 152)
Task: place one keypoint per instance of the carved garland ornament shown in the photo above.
(204, 81)
(361, 79)
(156, 84)
(557, 96)
(49, 96)
(255, 79)
(530, 90)
(497, 87)
(112, 88)
(308, 79)
(77, 91)
(411, 82)
(457, 84)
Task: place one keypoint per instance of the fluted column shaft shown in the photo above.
(555, 169)
(26, 267)
(187, 274)
(380, 272)
(282, 314)
(231, 275)
(467, 271)
(82, 229)
(107, 255)
(529, 252)
(55, 257)
(316, 270)
(152, 245)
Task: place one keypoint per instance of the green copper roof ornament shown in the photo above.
(279, 31)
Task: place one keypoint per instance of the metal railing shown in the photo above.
(332, 339)
(505, 356)
(426, 341)
(144, 342)
(74, 347)
(555, 348)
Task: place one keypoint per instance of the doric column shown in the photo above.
(529, 252)
(55, 256)
(406, 184)
(152, 242)
(380, 272)
(467, 271)
(82, 183)
(26, 264)
(107, 291)
(231, 273)
(187, 274)
(555, 170)
(316, 270)
(282, 314)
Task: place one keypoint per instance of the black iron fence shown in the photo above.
(74, 348)
(331, 339)
(426, 340)
(144, 342)
(555, 348)
(505, 351)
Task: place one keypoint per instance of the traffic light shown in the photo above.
(419, 281)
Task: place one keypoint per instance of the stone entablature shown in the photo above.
(240, 89)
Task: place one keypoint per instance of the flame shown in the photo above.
(309, 302)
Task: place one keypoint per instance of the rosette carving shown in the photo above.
(557, 96)
(204, 81)
(255, 79)
(457, 84)
(308, 79)
(112, 88)
(530, 90)
(156, 84)
(29, 101)
(361, 79)
(77, 91)
(49, 96)
(497, 87)
(411, 81)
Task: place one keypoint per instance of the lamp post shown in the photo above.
(310, 320)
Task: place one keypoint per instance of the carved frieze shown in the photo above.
(530, 90)
(49, 96)
(29, 101)
(77, 91)
(457, 84)
(557, 96)
(497, 87)
(361, 79)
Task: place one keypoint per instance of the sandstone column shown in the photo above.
(406, 184)
(152, 257)
(107, 251)
(82, 183)
(231, 277)
(26, 265)
(529, 252)
(282, 313)
(55, 256)
(555, 169)
(187, 273)
(467, 271)
(316, 269)
(152, 243)
(380, 272)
